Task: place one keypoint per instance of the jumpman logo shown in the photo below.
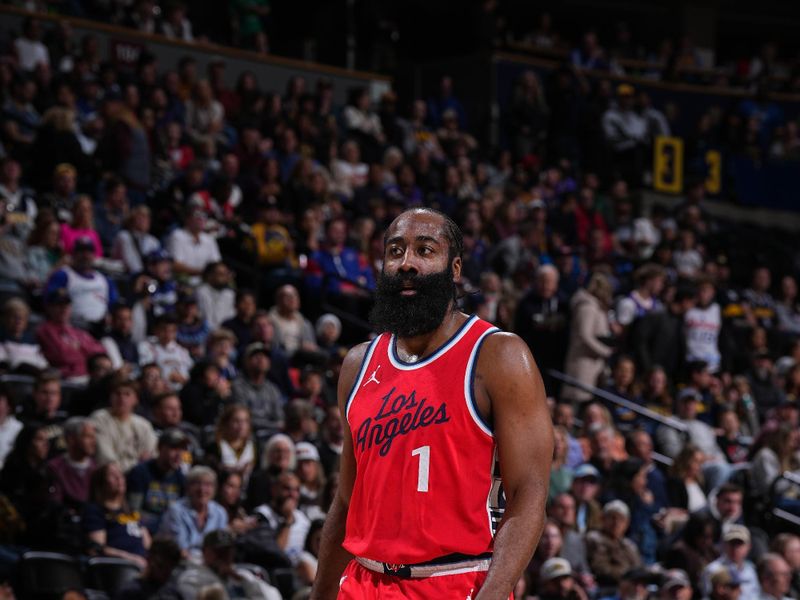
(373, 377)
(469, 596)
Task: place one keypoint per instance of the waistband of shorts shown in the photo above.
(452, 564)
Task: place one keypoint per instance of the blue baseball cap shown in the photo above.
(587, 470)
(157, 256)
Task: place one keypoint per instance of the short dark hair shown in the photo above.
(630, 438)
(450, 230)
(242, 292)
(647, 272)
(209, 268)
(92, 360)
(308, 372)
(355, 93)
(696, 366)
(729, 488)
(119, 382)
(685, 290)
(296, 410)
(696, 526)
(163, 396)
(46, 377)
(335, 220)
(165, 319)
(112, 183)
(316, 525)
(119, 306)
(165, 551)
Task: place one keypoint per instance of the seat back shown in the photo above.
(256, 570)
(284, 580)
(110, 574)
(46, 575)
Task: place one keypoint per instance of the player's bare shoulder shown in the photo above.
(505, 373)
(502, 354)
(350, 368)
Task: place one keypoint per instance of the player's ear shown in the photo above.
(456, 267)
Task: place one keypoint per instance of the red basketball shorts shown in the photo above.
(359, 583)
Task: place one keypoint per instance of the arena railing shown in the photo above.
(640, 410)
(640, 67)
(123, 47)
(641, 81)
(793, 478)
(12, 379)
(329, 304)
(786, 516)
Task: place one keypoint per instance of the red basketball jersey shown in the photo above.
(427, 483)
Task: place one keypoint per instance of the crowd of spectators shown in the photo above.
(167, 243)
(622, 50)
(671, 58)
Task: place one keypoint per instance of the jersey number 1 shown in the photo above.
(424, 453)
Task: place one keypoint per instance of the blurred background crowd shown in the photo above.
(185, 261)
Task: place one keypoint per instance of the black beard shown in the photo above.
(410, 316)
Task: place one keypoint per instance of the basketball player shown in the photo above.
(448, 440)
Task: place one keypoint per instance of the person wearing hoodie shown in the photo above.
(587, 351)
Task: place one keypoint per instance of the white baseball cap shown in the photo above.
(553, 568)
(619, 507)
(306, 451)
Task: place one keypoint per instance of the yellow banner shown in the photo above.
(668, 165)
(714, 177)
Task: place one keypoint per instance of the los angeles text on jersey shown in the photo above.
(398, 414)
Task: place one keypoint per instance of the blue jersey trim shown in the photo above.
(361, 372)
(469, 384)
(407, 366)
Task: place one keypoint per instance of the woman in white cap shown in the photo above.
(312, 480)
(328, 329)
(278, 456)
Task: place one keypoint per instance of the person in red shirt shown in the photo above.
(428, 407)
(72, 471)
(65, 347)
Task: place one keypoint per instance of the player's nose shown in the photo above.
(408, 264)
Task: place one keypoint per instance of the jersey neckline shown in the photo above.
(399, 363)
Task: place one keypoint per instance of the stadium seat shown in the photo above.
(110, 574)
(48, 575)
(256, 570)
(284, 580)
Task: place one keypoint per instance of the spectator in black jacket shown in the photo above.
(528, 118)
(694, 549)
(119, 343)
(202, 398)
(658, 338)
(541, 321)
(56, 143)
(767, 395)
(26, 481)
(241, 323)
